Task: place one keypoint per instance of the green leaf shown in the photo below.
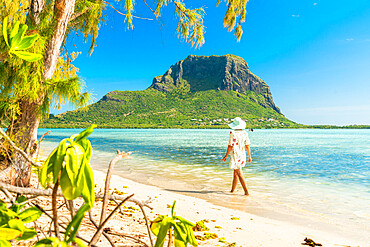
(6, 215)
(28, 234)
(14, 30)
(180, 232)
(44, 171)
(173, 208)
(70, 192)
(73, 160)
(165, 226)
(86, 145)
(184, 221)
(8, 234)
(61, 152)
(16, 224)
(5, 31)
(48, 242)
(191, 238)
(179, 243)
(18, 204)
(156, 224)
(16, 41)
(85, 133)
(27, 42)
(30, 214)
(88, 191)
(75, 223)
(28, 56)
(5, 243)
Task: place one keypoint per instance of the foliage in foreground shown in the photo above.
(68, 167)
(17, 41)
(182, 228)
(13, 220)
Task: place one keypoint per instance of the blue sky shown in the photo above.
(314, 54)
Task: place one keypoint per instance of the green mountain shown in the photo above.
(197, 92)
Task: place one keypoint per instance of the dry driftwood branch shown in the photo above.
(43, 192)
(7, 193)
(18, 149)
(97, 234)
(96, 226)
(127, 236)
(39, 143)
(120, 209)
(118, 157)
(147, 222)
(54, 205)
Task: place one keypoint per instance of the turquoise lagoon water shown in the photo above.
(317, 178)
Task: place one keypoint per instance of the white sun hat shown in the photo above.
(237, 124)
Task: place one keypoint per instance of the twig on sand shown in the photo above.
(43, 192)
(39, 143)
(96, 226)
(118, 157)
(7, 193)
(97, 234)
(126, 236)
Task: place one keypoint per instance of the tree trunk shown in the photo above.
(24, 134)
(63, 10)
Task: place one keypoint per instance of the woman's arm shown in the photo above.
(227, 152)
(249, 153)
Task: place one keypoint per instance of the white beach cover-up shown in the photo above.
(238, 139)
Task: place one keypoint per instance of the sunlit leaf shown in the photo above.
(27, 42)
(28, 234)
(8, 234)
(30, 214)
(73, 226)
(14, 30)
(28, 56)
(5, 243)
(165, 226)
(5, 31)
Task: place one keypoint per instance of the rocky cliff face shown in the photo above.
(203, 73)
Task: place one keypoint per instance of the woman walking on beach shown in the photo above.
(237, 145)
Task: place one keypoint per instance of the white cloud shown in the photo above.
(295, 16)
(350, 39)
(314, 4)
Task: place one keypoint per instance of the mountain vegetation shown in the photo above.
(197, 92)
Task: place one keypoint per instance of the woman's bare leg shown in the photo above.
(242, 181)
(235, 181)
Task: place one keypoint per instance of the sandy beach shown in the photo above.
(243, 229)
(228, 226)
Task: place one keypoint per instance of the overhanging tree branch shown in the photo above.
(143, 18)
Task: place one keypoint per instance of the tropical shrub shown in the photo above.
(13, 220)
(182, 228)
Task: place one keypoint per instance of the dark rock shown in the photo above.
(229, 73)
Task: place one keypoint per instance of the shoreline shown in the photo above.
(242, 228)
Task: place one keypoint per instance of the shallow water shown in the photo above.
(318, 178)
